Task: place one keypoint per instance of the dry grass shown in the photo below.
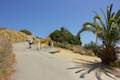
(82, 51)
(13, 36)
(7, 59)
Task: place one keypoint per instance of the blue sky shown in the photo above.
(44, 16)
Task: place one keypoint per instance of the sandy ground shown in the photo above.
(69, 55)
(32, 64)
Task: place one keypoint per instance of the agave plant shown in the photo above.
(107, 29)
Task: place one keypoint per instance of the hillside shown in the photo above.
(12, 35)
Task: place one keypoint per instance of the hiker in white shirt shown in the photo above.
(30, 41)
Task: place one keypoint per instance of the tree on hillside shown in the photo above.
(26, 31)
(64, 36)
(107, 29)
(2, 28)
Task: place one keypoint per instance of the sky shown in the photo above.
(42, 17)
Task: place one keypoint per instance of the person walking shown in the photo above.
(30, 41)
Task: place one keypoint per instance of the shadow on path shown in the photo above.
(86, 67)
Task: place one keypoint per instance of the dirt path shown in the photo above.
(41, 65)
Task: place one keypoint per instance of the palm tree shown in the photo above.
(107, 29)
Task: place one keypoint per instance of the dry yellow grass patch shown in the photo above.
(13, 36)
(7, 59)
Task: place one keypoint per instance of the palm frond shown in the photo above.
(88, 27)
(104, 16)
(117, 17)
(109, 11)
(101, 22)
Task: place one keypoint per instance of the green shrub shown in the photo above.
(58, 44)
(64, 36)
(26, 31)
(69, 46)
(62, 45)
